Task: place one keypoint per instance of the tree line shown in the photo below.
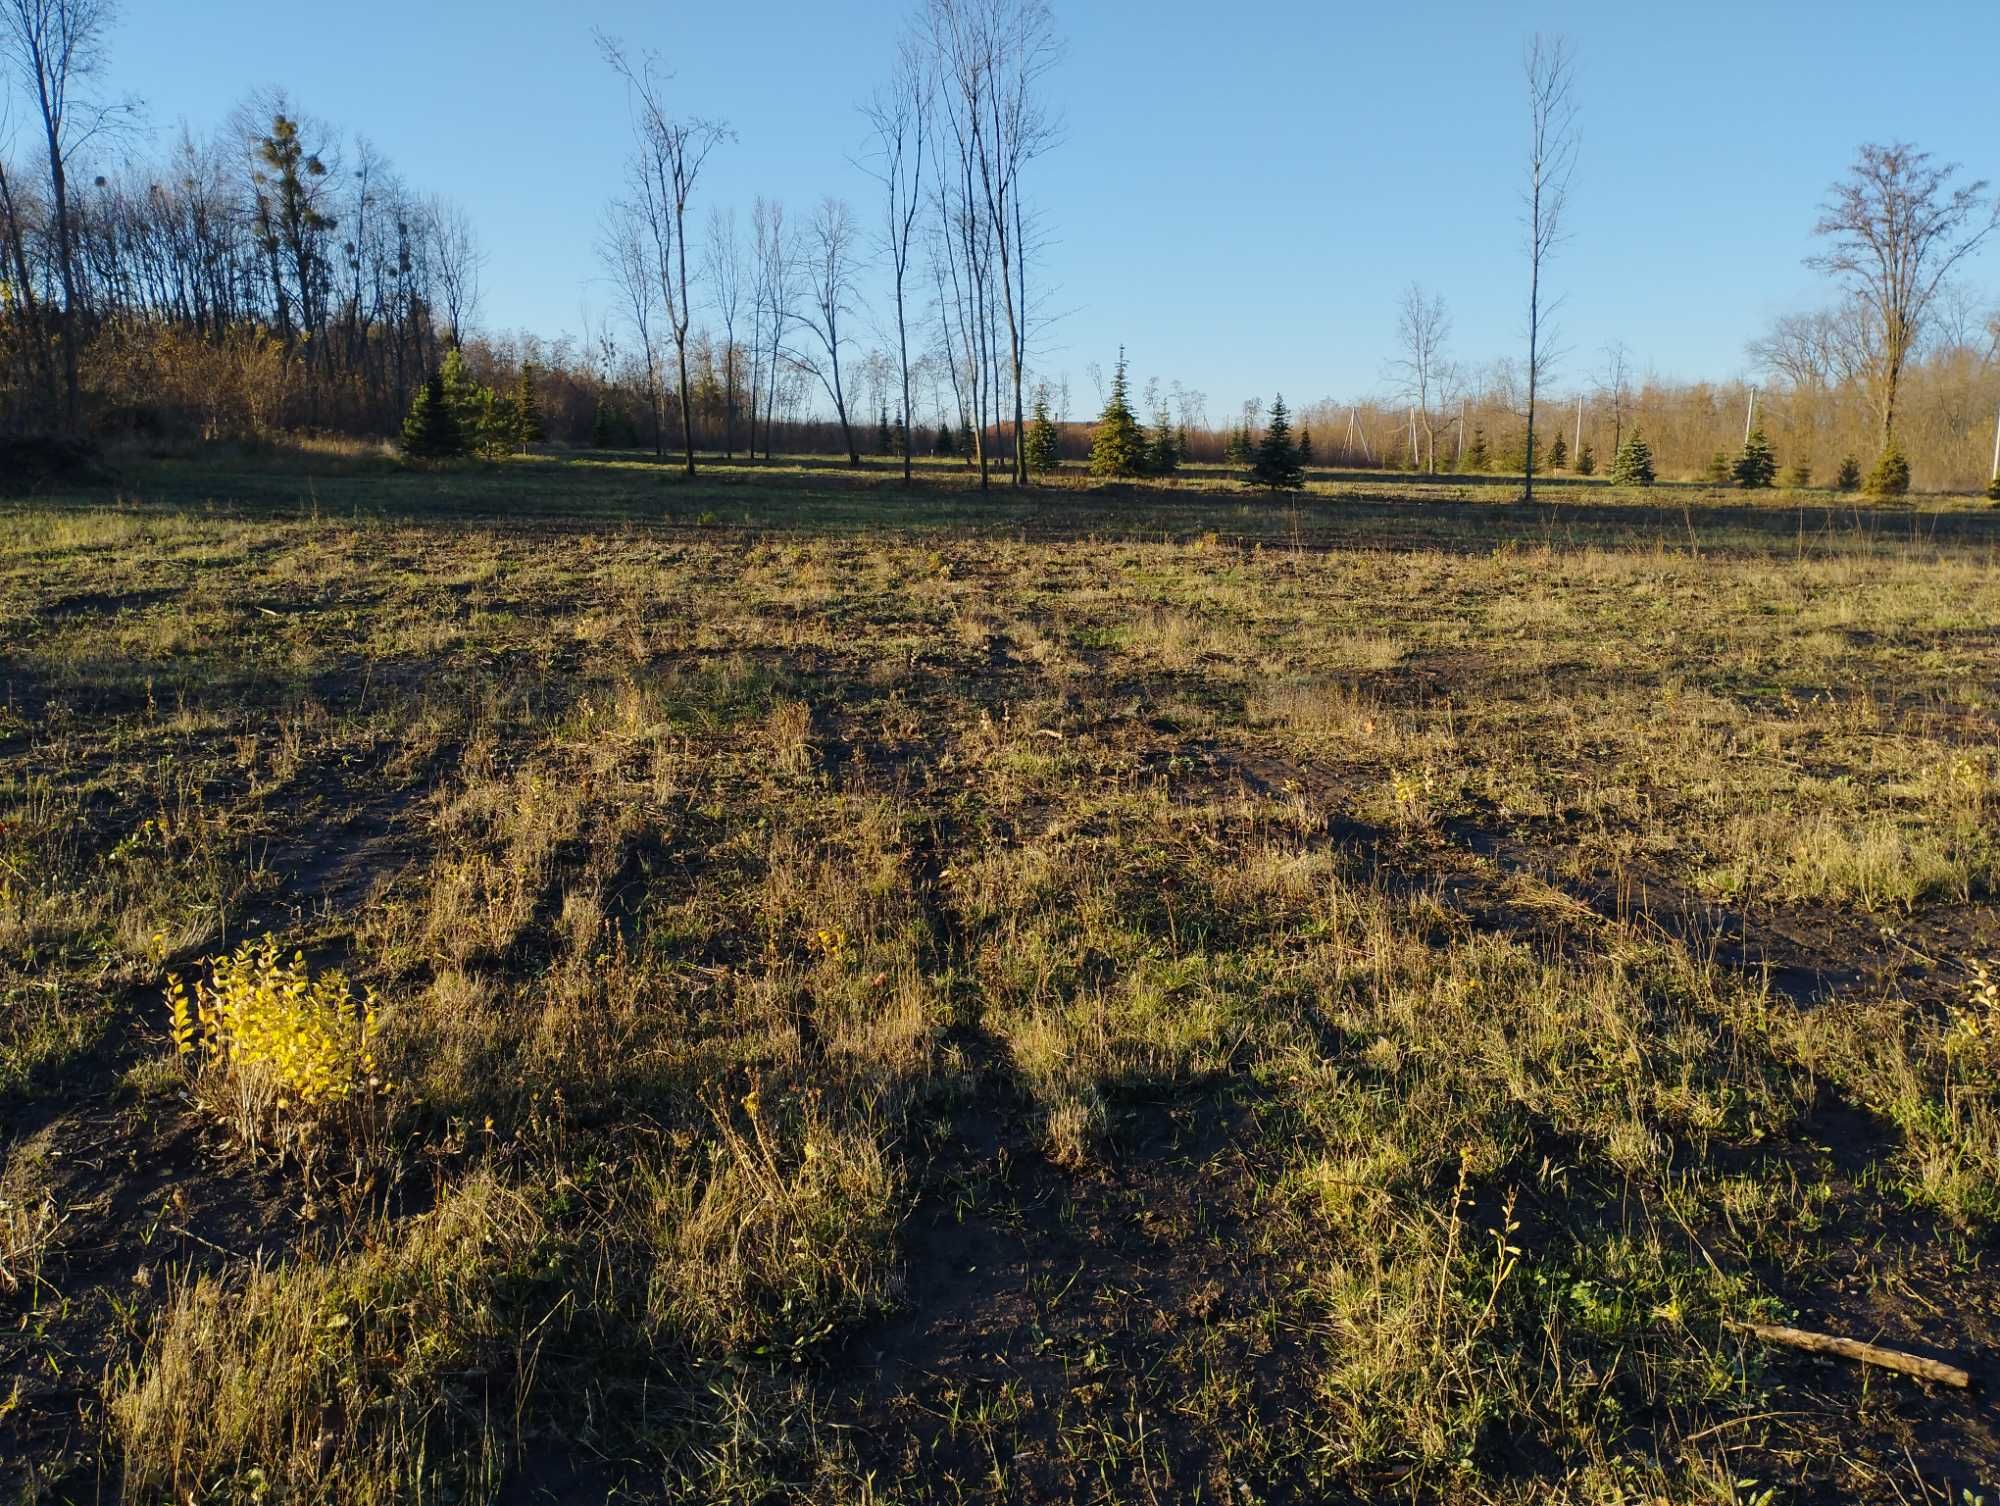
(280, 275)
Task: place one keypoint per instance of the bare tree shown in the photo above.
(53, 45)
(456, 246)
(1552, 142)
(900, 117)
(724, 260)
(1423, 326)
(774, 278)
(624, 248)
(671, 153)
(830, 285)
(992, 56)
(1895, 228)
(1616, 375)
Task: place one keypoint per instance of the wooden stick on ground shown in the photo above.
(1853, 1349)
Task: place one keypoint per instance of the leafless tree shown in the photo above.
(668, 162)
(900, 116)
(773, 294)
(1423, 326)
(992, 56)
(455, 244)
(625, 249)
(1613, 382)
(829, 278)
(723, 257)
(1895, 228)
(53, 46)
(1552, 142)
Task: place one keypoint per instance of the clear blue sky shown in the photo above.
(1242, 191)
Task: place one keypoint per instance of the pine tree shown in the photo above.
(1719, 469)
(947, 441)
(1117, 448)
(600, 427)
(1757, 467)
(1277, 463)
(1586, 460)
(1043, 449)
(1163, 455)
(431, 431)
(528, 427)
(1476, 458)
(1305, 444)
(1633, 464)
(1848, 477)
(1891, 476)
(1801, 474)
(884, 439)
(461, 393)
(1558, 454)
(495, 429)
(1236, 449)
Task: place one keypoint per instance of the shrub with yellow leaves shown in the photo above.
(279, 1053)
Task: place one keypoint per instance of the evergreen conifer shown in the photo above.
(1043, 449)
(1586, 460)
(1558, 453)
(528, 426)
(1117, 448)
(1891, 476)
(1476, 457)
(1633, 464)
(1849, 476)
(1277, 463)
(1757, 467)
(431, 430)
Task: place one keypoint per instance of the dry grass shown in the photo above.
(925, 1006)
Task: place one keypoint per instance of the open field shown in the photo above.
(1141, 995)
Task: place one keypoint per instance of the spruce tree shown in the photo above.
(1558, 454)
(1720, 472)
(947, 440)
(1586, 460)
(431, 430)
(1891, 476)
(1117, 448)
(600, 427)
(1236, 449)
(1277, 463)
(528, 426)
(461, 393)
(902, 436)
(1043, 449)
(1476, 458)
(1633, 464)
(884, 439)
(1757, 467)
(1801, 474)
(1305, 444)
(1848, 478)
(1163, 454)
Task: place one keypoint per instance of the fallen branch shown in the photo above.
(1853, 1349)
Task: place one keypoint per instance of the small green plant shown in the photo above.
(1757, 467)
(1848, 478)
(1633, 465)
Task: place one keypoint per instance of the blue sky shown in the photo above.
(1241, 192)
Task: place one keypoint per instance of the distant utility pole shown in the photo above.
(1461, 435)
(1996, 448)
(1750, 416)
(1413, 437)
(1573, 449)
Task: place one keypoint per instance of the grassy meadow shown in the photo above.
(782, 989)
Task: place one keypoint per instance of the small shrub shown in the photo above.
(1849, 477)
(278, 1053)
(1801, 473)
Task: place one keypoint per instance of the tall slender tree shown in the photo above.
(900, 118)
(1551, 74)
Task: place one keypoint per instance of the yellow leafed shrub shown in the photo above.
(279, 1051)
